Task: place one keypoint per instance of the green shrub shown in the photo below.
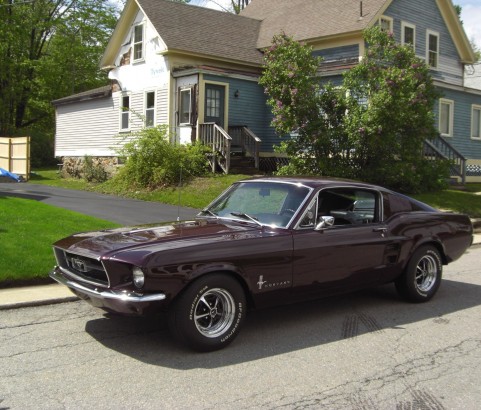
(153, 161)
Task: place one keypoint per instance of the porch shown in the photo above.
(235, 150)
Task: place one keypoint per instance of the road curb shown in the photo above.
(34, 303)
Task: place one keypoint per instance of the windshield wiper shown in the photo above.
(246, 216)
(209, 213)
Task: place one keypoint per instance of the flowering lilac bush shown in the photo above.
(370, 128)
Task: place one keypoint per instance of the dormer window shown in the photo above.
(138, 42)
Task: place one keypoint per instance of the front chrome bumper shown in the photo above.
(121, 296)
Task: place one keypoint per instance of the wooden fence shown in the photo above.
(15, 155)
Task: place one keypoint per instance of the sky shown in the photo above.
(470, 15)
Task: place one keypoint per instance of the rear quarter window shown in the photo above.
(397, 204)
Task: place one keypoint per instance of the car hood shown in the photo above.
(106, 243)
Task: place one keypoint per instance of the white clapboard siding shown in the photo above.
(92, 127)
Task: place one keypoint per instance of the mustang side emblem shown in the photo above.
(79, 264)
(263, 282)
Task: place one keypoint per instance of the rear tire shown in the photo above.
(422, 276)
(209, 314)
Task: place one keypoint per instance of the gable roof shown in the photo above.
(196, 31)
(219, 35)
(311, 20)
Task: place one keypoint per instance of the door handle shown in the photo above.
(383, 230)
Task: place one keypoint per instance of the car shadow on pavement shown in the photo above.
(274, 331)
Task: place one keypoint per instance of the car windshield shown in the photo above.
(263, 203)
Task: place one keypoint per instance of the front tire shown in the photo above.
(209, 314)
(422, 277)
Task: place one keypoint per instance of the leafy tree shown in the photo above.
(300, 106)
(391, 97)
(49, 49)
(371, 128)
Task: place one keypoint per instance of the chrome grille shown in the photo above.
(85, 269)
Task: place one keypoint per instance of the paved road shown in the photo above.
(111, 208)
(363, 351)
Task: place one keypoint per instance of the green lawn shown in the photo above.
(27, 230)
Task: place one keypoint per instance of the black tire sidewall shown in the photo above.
(407, 282)
(181, 317)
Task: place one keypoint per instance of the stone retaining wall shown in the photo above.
(75, 166)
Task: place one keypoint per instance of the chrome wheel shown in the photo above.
(426, 273)
(422, 276)
(214, 313)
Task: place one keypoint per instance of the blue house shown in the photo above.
(196, 70)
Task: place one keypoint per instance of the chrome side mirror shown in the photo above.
(325, 222)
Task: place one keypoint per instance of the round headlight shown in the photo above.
(138, 277)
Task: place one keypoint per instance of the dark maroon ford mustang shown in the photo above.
(264, 242)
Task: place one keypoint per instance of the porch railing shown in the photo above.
(247, 140)
(439, 148)
(215, 137)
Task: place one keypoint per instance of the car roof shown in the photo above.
(316, 182)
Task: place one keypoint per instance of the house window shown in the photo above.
(408, 34)
(476, 122)
(149, 109)
(125, 112)
(432, 48)
(185, 106)
(446, 117)
(386, 24)
(138, 42)
(213, 102)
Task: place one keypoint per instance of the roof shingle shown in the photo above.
(204, 31)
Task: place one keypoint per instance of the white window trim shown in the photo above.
(451, 117)
(405, 24)
(122, 96)
(475, 107)
(138, 60)
(154, 108)
(185, 89)
(432, 33)
(391, 23)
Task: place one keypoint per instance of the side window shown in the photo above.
(185, 106)
(446, 117)
(125, 112)
(138, 42)
(348, 206)
(386, 24)
(396, 204)
(150, 109)
(310, 217)
(408, 34)
(476, 122)
(432, 49)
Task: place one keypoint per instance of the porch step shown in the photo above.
(243, 165)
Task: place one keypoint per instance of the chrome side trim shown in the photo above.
(122, 296)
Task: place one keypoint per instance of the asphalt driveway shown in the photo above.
(111, 208)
